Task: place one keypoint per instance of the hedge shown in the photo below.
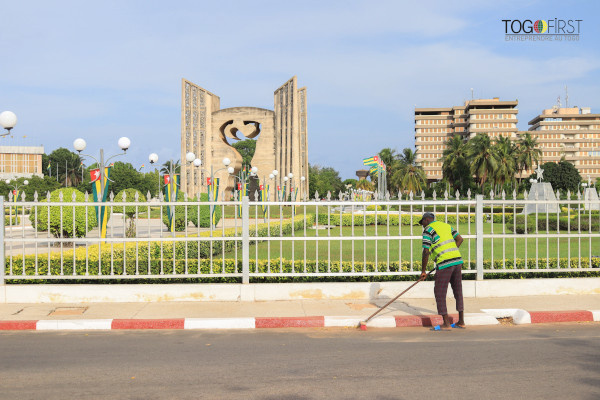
(551, 223)
(384, 219)
(230, 266)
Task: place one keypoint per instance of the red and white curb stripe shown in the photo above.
(488, 317)
(539, 317)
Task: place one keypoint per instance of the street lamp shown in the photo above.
(153, 157)
(80, 145)
(16, 187)
(8, 120)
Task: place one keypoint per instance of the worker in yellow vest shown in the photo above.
(442, 242)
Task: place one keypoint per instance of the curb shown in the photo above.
(487, 317)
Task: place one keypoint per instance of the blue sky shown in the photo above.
(102, 70)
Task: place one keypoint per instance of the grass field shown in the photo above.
(373, 249)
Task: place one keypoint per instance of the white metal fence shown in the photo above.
(256, 240)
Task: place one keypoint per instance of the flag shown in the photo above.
(243, 192)
(214, 195)
(101, 212)
(264, 197)
(371, 160)
(171, 195)
(49, 165)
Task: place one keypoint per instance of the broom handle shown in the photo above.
(395, 298)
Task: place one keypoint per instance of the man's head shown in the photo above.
(427, 219)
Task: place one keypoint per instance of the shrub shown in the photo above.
(191, 212)
(12, 220)
(130, 211)
(204, 221)
(129, 196)
(83, 220)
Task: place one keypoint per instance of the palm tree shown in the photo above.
(454, 162)
(166, 167)
(480, 155)
(364, 184)
(528, 153)
(504, 151)
(409, 176)
(390, 158)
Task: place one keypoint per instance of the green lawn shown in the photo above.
(374, 249)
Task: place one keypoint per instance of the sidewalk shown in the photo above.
(298, 313)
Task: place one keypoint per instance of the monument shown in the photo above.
(590, 196)
(541, 191)
(281, 135)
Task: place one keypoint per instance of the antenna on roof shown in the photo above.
(566, 96)
(471, 93)
(558, 102)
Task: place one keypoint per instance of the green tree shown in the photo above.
(323, 180)
(528, 153)
(166, 167)
(125, 176)
(68, 165)
(506, 162)
(246, 148)
(410, 176)
(350, 183)
(480, 156)
(563, 176)
(455, 168)
(364, 184)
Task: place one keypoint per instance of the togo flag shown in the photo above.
(371, 160)
(214, 195)
(101, 211)
(243, 192)
(264, 194)
(171, 192)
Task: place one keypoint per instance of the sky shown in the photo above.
(103, 70)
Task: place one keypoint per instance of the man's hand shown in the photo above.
(423, 276)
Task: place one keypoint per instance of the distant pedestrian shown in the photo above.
(442, 242)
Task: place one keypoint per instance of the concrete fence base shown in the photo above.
(48, 293)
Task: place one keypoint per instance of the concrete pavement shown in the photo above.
(295, 313)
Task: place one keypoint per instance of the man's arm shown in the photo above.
(424, 261)
(458, 239)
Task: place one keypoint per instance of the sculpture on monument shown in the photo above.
(281, 136)
(541, 191)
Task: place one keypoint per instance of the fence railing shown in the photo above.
(244, 240)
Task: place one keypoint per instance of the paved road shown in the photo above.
(505, 362)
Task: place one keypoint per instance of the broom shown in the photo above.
(363, 324)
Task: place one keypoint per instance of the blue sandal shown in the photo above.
(455, 326)
(439, 328)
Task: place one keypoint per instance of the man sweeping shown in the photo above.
(442, 242)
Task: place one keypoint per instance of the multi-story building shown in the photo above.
(20, 161)
(572, 133)
(434, 126)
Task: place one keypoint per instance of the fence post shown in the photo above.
(2, 255)
(479, 235)
(245, 240)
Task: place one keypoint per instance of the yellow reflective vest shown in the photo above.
(443, 247)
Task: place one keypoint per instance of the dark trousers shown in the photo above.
(452, 275)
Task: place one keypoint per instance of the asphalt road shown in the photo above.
(560, 361)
